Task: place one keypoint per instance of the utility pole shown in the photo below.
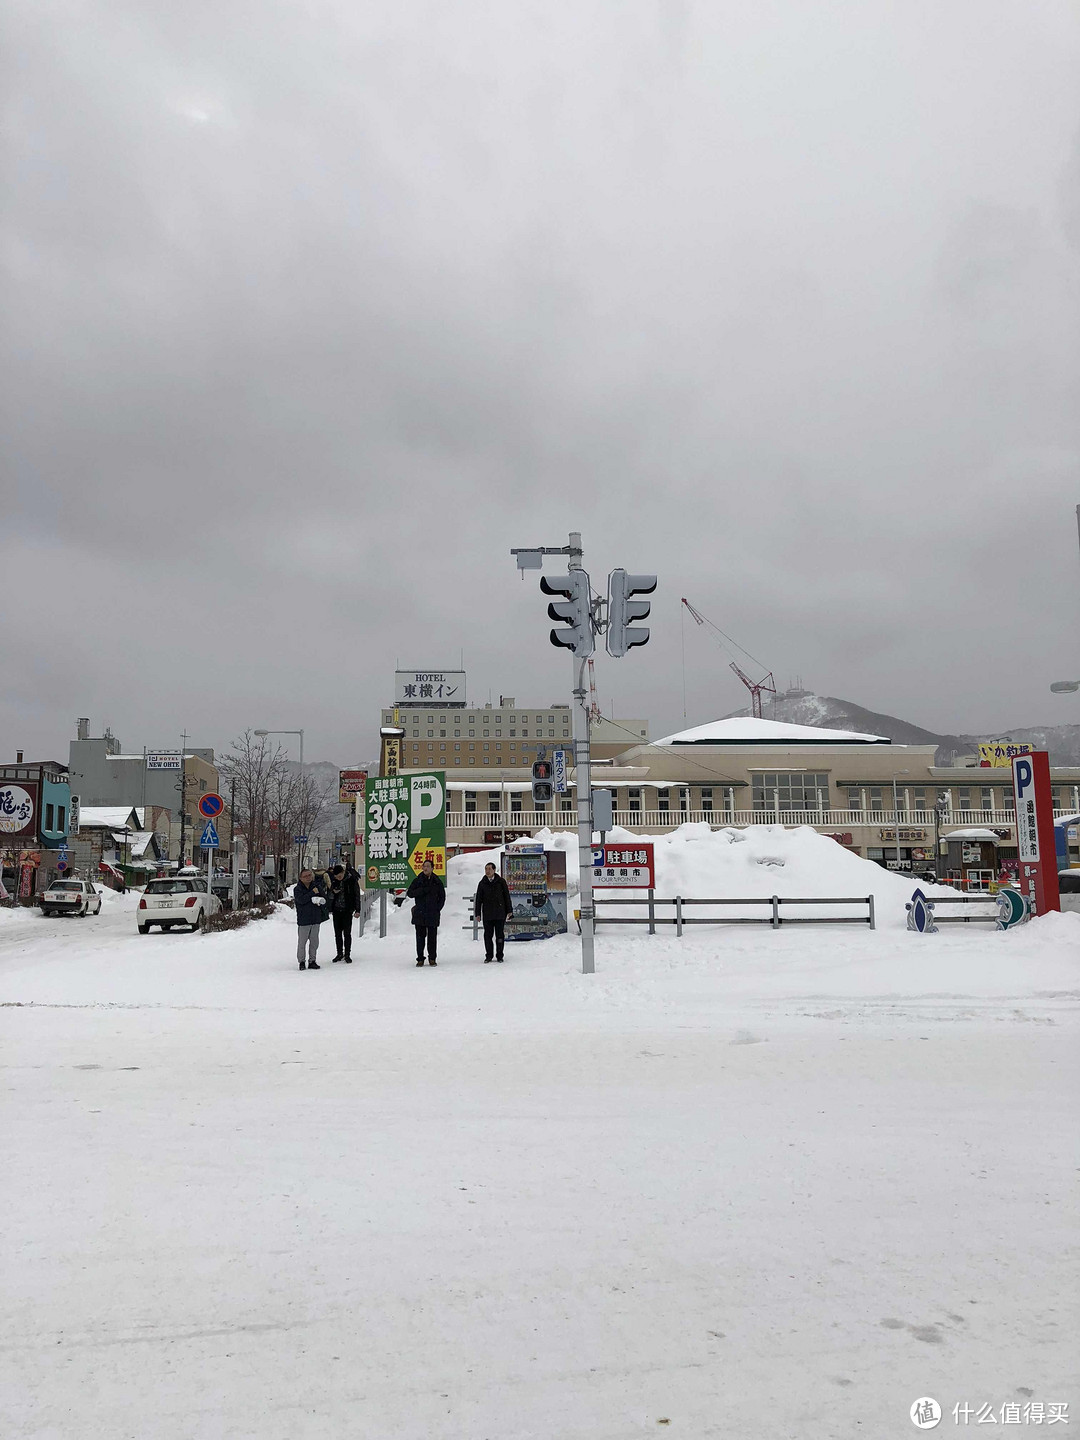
(582, 619)
(182, 787)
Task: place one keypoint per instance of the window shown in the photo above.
(854, 799)
(515, 803)
(662, 802)
(876, 802)
(456, 734)
(525, 732)
(706, 799)
(61, 812)
(729, 799)
(987, 798)
(566, 806)
(443, 734)
(457, 747)
(513, 732)
(498, 732)
(493, 805)
(470, 802)
(965, 798)
(919, 798)
(430, 733)
(684, 801)
(471, 734)
(633, 801)
(486, 747)
(49, 818)
(486, 760)
(797, 790)
(431, 719)
(457, 759)
(486, 733)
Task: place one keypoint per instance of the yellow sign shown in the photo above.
(424, 850)
(999, 753)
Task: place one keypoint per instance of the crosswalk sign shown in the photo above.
(209, 839)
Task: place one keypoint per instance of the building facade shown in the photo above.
(101, 775)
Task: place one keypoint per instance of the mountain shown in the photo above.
(803, 707)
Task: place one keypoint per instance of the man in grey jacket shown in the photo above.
(312, 908)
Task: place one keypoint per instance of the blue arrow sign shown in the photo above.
(209, 839)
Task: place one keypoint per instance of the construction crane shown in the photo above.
(765, 686)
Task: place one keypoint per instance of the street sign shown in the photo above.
(1035, 842)
(404, 825)
(61, 864)
(624, 866)
(350, 785)
(558, 771)
(209, 839)
(300, 839)
(211, 805)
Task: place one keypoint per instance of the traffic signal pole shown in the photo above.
(582, 618)
(583, 780)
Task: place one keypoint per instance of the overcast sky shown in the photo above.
(313, 310)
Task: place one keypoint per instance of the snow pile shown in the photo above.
(698, 862)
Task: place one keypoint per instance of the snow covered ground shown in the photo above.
(743, 1184)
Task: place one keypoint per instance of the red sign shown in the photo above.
(624, 866)
(211, 805)
(351, 784)
(1035, 848)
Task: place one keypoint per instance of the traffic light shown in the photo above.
(542, 787)
(622, 610)
(574, 610)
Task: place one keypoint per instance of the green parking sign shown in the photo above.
(404, 825)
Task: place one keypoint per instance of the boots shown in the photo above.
(420, 961)
(311, 965)
(302, 965)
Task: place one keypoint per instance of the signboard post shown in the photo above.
(629, 867)
(208, 841)
(1035, 844)
(404, 825)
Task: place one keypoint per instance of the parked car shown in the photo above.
(71, 897)
(177, 900)
(1069, 890)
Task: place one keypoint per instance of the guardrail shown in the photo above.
(774, 918)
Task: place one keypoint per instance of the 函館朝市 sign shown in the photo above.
(404, 825)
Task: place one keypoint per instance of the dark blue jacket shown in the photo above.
(306, 912)
(430, 896)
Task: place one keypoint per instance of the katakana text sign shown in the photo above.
(624, 866)
(404, 825)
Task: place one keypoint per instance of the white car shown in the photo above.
(71, 897)
(178, 900)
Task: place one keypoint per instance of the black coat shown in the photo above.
(493, 898)
(430, 896)
(346, 893)
(308, 913)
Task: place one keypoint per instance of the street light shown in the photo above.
(262, 734)
(1064, 687)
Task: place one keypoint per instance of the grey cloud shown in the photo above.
(313, 312)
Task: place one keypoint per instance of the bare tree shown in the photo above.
(257, 772)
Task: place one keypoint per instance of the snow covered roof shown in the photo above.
(108, 817)
(975, 833)
(748, 730)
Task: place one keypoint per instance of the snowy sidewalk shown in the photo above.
(760, 1185)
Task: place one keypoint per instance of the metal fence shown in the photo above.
(775, 903)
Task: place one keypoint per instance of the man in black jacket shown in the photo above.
(309, 895)
(429, 895)
(493, 905)
(344, 904)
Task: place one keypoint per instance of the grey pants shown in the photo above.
(307, 939)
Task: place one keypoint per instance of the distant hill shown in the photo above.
(803, 707)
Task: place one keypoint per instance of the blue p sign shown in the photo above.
(1024, 776)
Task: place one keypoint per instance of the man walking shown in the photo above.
(344, 904)
(493, 905)
(309, 896)
(429, 897)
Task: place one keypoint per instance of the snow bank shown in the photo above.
(698, 862)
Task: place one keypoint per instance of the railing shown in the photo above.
(653, 821)
(774, 918)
